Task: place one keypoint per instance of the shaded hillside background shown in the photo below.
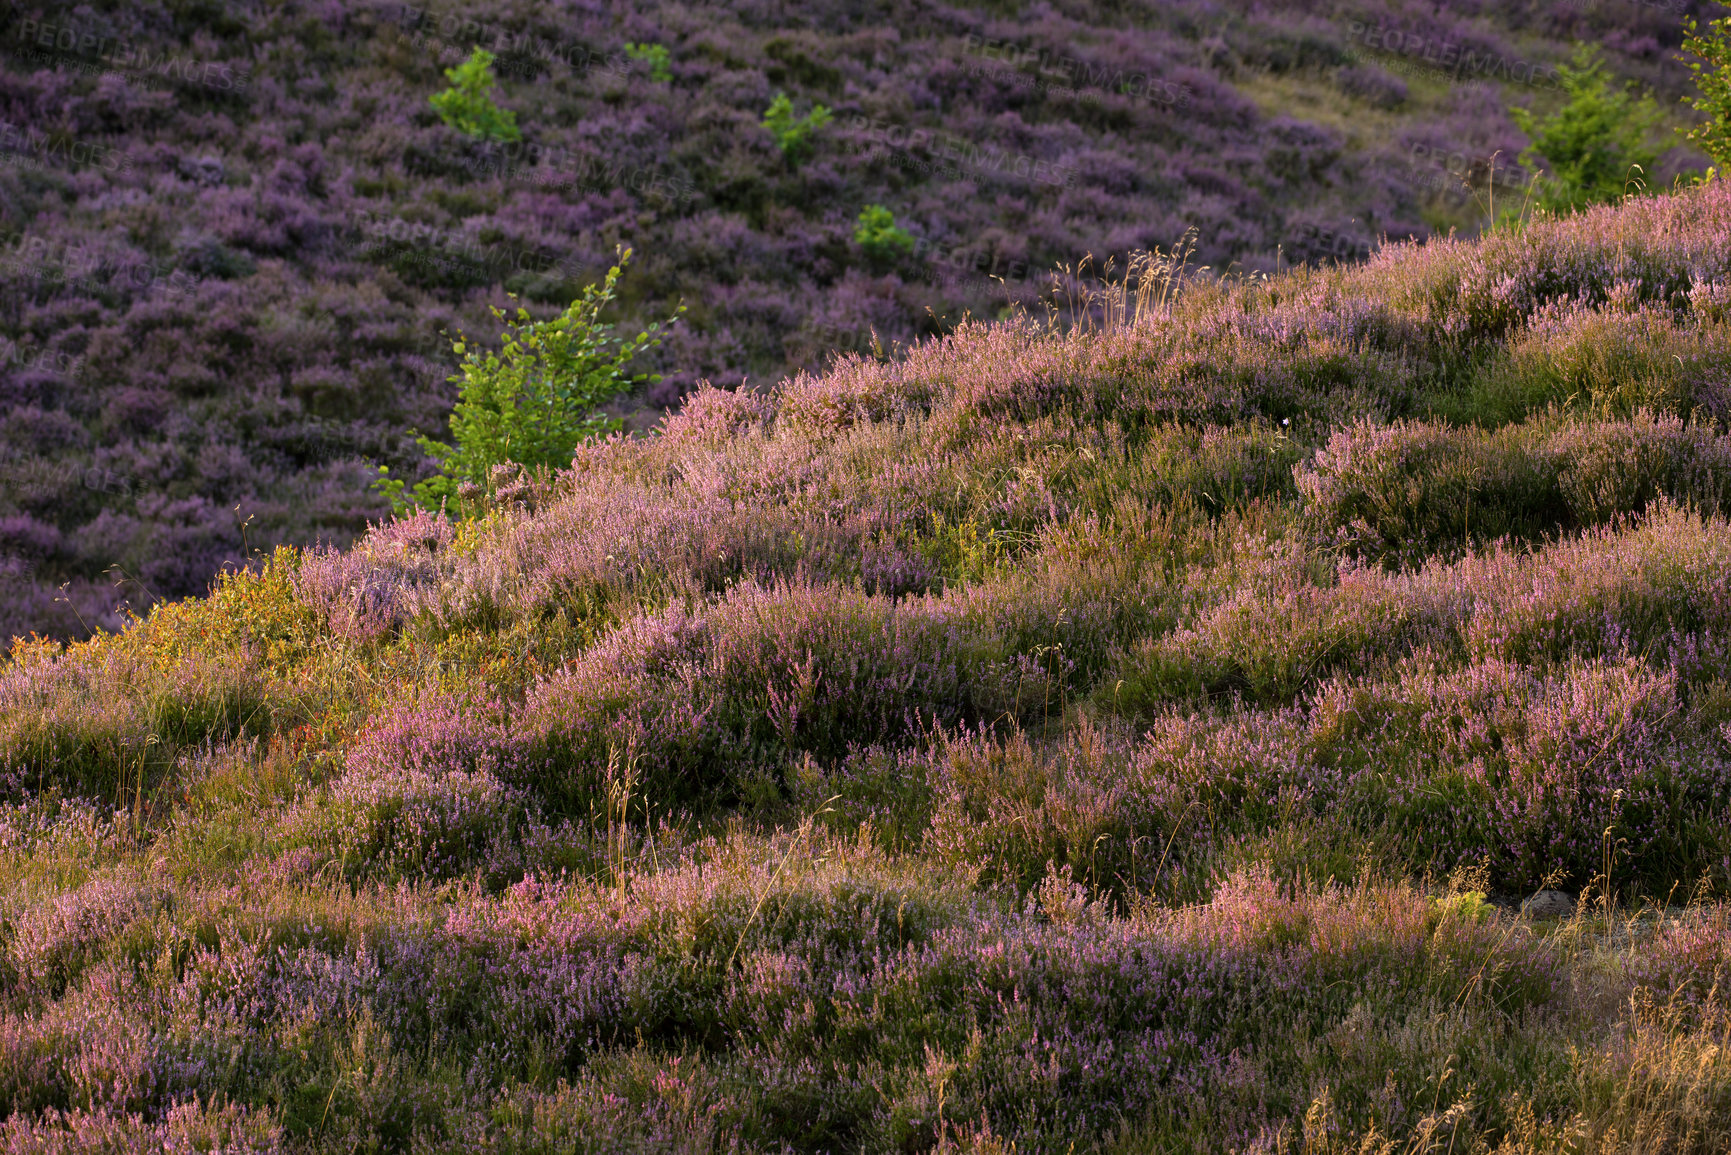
(231, 234)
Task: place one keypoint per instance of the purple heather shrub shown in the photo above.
(185, 1128)
(1490, 765)
(424, 794)
(1661, 248)
(1686, 959)
(1274, 621)
(92, 1051)
(1645, 590)
(1009, 810)
(1272, 628)
(368, 592)
(50, 945)
(1412, 490)
(768, 671)
(709, 416)
(85, 720)
(1615, 360)
(1372, 85)
(1524, 773)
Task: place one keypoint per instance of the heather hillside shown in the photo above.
(231, 234)
(1134, 735)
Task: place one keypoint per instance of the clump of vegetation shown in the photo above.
(793, 134)
(468, 106)
(1713, 83)
(1598, 147)
(536, 399)
(283, 399)
(1130, 728)
(877, 234)
(656, 56)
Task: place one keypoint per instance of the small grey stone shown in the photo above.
(1548, 904)
(205, 170)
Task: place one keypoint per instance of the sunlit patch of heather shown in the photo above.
(1084, 590)
(1011, 811)
(45, 828)
(187, 1126)
(1529, 773)
(692, 696)
(607, 544)
(1686, 959)
(1662, 246)
(89, 721)
(1414, 490)
(629, 1100)
(96, 1049)
(365, 593)
(1205, 365)
(51, 942)
(709, 416)
(412, 823)
(425, 792)
(1645, 589)
(1608, 362)
(1278, 625)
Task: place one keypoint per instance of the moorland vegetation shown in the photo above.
(1125, 732)
(234, 235)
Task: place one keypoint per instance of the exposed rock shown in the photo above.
(1548, 904)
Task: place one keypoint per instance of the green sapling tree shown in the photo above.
(467, 105)
(536, 399)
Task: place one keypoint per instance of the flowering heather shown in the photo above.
(1135, 734)
(230, 246)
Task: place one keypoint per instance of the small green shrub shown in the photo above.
(467, 105)
(1469, 907)
(793, 134)
(876, 232)
(538, 398)
(1713, 79)
(1594, 144)
(654, 55)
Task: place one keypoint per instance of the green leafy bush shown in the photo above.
(1594, 144)
(793, 134)
(876, 232)
(654, 55)
(538, 398)
(467, 105)
(1713, 79)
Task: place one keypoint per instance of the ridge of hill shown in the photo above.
(1126, 737)
(233, 233)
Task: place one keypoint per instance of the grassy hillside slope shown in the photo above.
(231, 234)
(1073, 740)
